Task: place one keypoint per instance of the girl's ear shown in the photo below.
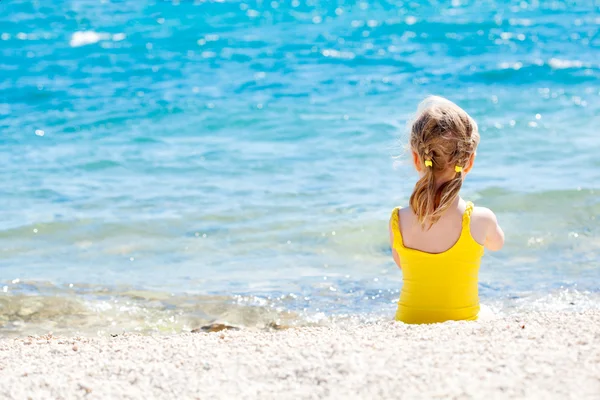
(469, 166)
(416, 161)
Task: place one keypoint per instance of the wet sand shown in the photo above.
(534, 355)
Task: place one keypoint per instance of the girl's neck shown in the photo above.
(455, 202)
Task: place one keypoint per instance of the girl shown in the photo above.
(439, 240)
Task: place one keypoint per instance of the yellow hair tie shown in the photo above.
(428, 163)
(458, 169)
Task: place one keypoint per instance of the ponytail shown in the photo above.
(429, 202)
(422, 199)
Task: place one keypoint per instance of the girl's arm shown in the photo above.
(394, 253)
(494, 239)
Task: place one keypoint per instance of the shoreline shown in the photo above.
(531, 355)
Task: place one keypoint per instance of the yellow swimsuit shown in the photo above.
(442, 286)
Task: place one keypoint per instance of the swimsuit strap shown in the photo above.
(467, 214)
(395, 225)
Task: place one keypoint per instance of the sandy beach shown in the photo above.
(535, 355)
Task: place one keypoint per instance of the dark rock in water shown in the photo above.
(215, 327)
(276, 326)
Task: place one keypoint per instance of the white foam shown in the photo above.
(347, 55)
(118, 37)
(83, 38)
(557, 63)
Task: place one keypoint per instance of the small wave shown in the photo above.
(29, 308)
(557, 63)
(346, 55)
(83, 38)
(567, 71)
(99, 165)
(565, 299)
(145, 139)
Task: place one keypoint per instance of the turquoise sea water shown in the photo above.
(166, 163)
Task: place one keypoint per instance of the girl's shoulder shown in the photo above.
(482, 221)
(406, 215)
(484, 215)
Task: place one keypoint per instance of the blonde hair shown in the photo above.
(444, 137)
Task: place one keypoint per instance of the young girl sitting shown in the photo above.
(439, 240)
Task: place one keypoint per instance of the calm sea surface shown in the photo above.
(165, 164)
